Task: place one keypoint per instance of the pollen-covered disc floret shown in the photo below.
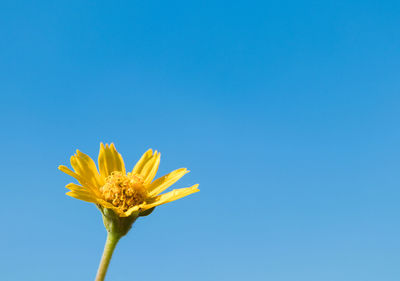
(124, 191)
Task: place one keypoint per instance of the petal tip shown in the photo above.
(185, 171)
(62, 168)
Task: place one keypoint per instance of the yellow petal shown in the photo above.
(108, 205)
(131, 210)
(83, 181)
(142, 162)
(110, 160)
(161, 184)
(82, 196)
(105, 204)
(150, 169)
(117, 210)
(85, 167)
(75, 187)
(172, 196)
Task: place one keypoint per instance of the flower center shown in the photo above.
(124, 191)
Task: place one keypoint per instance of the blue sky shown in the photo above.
(286, 112)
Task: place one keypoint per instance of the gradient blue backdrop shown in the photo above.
(286, 112)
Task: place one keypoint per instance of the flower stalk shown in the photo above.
(109, 247)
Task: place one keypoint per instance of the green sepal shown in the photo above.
(116, 225)
(147, 212)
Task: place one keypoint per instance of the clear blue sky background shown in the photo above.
(286, 112)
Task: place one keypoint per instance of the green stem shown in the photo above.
(109, 247)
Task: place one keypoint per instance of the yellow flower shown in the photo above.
(125, 193)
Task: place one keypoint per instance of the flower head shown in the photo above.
(124, 193)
